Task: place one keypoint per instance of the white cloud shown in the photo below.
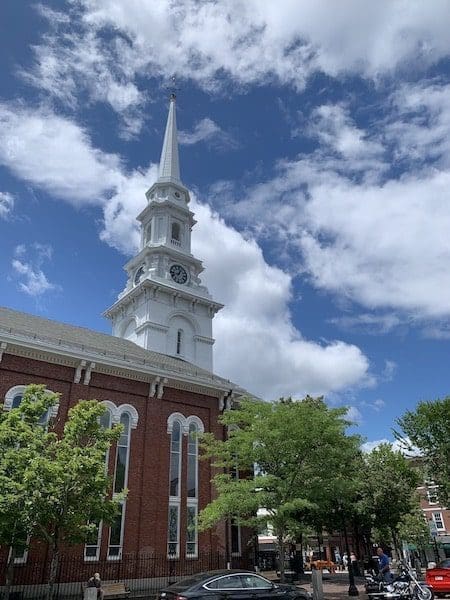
(247, 41)
(354, 415)
(368, 323)
(27, 265)
(403, 446)
(55, 154)
(208, 131)
(6, 204)
(377, 241)
(257, 344)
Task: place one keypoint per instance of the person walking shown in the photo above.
(385, 569)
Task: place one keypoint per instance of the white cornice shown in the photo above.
(162, 248)
(70, 355)
(149, 284)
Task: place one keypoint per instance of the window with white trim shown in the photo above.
(120, 483)
(20, 556)
(176, 231)
(14, 397)
(93, 543)
(432, 495)
(180, 342)
(173, 534)
(438, 521)
(192, 492)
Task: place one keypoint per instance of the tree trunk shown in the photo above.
(53, 571)
(9, 575)
(281, 551)
(395, 542)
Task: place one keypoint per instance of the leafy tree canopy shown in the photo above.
(428, 428)
(295, 450)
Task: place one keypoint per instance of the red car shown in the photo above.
(439, 578)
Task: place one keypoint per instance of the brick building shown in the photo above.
(438, 518)
(154, 375)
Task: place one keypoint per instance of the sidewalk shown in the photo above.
(335, 585)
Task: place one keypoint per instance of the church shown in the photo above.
(154, 375)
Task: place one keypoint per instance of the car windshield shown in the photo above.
(445, 564)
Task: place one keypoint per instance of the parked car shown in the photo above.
(439, 578)
(234, 585)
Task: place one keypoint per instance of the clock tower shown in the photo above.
(164, 306)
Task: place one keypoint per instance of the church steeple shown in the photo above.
(169, 165)
(164, 306)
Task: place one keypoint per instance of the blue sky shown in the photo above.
(315, 140)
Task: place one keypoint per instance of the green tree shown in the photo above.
(413, 528)
(428, 428)
(296, 447)
(23, 441)
(73, 490)
(387, 490)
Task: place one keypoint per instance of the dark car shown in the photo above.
(439, 578)
(233, 585)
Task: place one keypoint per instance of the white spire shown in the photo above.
(169, 166)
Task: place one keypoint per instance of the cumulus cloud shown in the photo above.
(403, 446)
(244, 41)
(27, 265)
(6, 204)
(379, 239)
(55, 154)
(207, 131)
(257, 343)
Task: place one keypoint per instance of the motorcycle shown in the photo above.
(404, 586)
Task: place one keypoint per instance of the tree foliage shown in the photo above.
(61, 482)
(297, 449)
(428, 428)
(23, 442)
(387, 490)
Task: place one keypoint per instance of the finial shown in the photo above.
(172, 88)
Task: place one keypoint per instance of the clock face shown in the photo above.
(178, 274)
(138, 275)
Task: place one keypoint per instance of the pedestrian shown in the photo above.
(385, 569)
(96, 582)
(345, 560)
(355, 566)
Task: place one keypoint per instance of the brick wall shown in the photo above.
(148, 474)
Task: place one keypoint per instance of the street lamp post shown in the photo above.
(352, 589)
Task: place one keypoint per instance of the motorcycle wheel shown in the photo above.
(423, 593)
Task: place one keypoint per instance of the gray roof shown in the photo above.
(81, 339)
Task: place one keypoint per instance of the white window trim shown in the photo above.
(133, 418)
(434, 491)
(20, 389)
(192, 503)
(441, 520)
(120, 545)
(98, 546)
(174, 502)
(21, 560)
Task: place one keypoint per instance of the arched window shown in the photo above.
(173, 538)
(176, 231)
(120, 483)
(192, 492)
(13, 399)
(148, 233)
(93, 543)
(180, 342)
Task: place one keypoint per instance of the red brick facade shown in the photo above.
(145, 529)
